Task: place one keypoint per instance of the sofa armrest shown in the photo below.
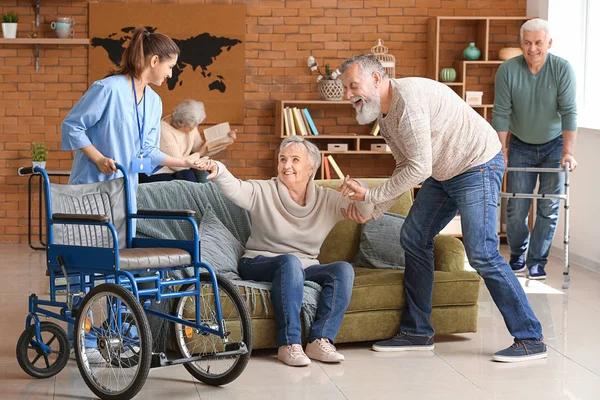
(448, 253)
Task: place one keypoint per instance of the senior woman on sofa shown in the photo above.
(291, 216)
(180, 138)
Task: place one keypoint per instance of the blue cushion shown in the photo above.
(218, 247)
(380, 243)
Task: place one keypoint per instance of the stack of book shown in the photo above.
(297, 121)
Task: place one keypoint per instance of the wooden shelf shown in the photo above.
(352, 139)
(453, 83)
(351, 136)
(45, 41)
(482, 106)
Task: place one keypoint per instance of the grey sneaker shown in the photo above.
(522, 350)
(401, 342)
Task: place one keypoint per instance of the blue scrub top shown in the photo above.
(105, 117)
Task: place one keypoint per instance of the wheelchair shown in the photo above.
(110, 280)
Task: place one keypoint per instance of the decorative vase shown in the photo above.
(9, 30)
(448, 75)
(471, 52)
(507, 53)
(41, 164)
(330, 89)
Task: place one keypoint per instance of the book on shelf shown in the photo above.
(305, 122)
(217, 137)
(286, 122)
(300, 129)
(291, 123)
(336, 168)
(311, 123)
(375, 129)
(326, 168)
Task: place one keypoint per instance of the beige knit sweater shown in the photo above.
(178, 144)
(431, 132)
(279, 224)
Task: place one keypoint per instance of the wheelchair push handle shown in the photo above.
(22, 171)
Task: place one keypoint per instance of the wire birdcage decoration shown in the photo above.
(387, 60)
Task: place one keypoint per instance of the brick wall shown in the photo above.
(279, 37)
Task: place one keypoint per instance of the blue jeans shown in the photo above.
(546, 155)
(474, 194)
(288, 276)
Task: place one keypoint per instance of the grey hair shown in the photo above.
(368, 64)
(188, 113)
(314, 154)
(536, 25)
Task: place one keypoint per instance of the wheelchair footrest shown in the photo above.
(231, 349)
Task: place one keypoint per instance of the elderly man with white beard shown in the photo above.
(438, 139)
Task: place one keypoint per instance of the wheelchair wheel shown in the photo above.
(188, 343)
(101, 341)
(31, 357)
(128, 355)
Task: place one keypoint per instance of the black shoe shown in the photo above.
(522, 350)
(401, 342)
(517, 263)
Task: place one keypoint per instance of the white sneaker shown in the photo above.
(323, 350)
(293, 355)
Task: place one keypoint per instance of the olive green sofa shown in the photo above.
(378, 294)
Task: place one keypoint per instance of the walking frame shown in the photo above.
(564, 196)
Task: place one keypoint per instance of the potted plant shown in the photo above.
(38, 154)
(9, 25)
(328, 84)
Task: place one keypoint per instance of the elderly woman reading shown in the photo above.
(291, 216)
(179, 137)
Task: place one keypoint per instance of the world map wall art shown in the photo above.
(210, 67)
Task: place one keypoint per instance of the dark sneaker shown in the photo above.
(537, 272)
(402, 342)
(522, 350)
(517, 263)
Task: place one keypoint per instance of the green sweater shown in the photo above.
(535, 108)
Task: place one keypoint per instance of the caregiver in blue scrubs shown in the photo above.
(118, 119)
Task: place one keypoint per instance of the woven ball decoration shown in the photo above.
(330, 89)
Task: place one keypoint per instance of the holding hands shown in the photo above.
(354, 191)
(206, 164)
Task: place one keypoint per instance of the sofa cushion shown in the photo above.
(218, 247)
(380, 243)
(341, 244)
(376, 289)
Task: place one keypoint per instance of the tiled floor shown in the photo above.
(459, 368)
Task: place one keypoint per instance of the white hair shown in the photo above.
(188, 113)
(314, 154)
(536, 25)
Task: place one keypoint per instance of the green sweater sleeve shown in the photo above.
(502, 101)
(567, 98)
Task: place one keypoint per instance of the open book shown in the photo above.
(217, 137)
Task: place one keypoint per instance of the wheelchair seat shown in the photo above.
(144, 258)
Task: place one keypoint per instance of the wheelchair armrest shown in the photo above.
(168, 213)
(80, 218)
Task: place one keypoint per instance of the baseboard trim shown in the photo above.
(576, 259)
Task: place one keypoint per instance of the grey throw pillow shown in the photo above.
(380, 243)
(218, 247)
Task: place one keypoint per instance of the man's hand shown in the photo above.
(206, 164)
(505, 153)
(353, 214)
(232, 134)
(568, 158)
(106, 165)
(352, 190)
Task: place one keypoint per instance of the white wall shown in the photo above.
(584, 246)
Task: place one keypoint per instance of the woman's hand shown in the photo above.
(106, 165)
(206, 164)
(352, 190)
(353, 214)
(233, 134)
